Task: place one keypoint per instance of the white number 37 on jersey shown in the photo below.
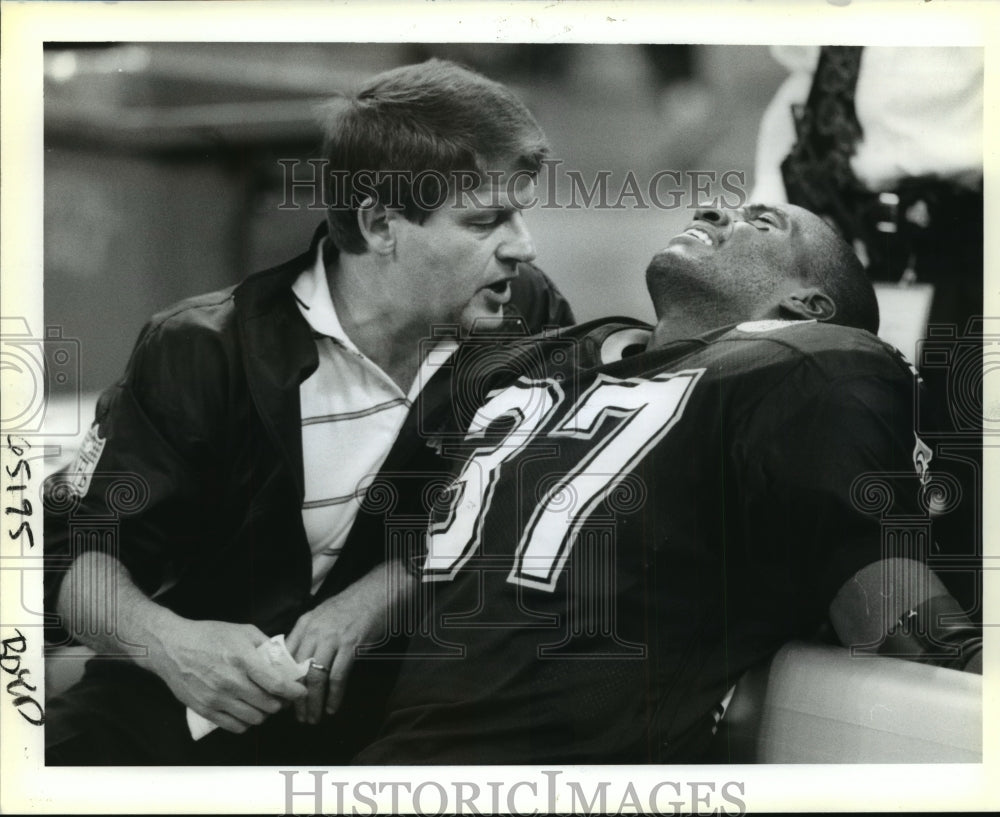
(646, 409)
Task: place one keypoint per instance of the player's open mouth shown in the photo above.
(700, 235)
(500, 287)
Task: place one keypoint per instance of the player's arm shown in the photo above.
(844, 480)
(899, 607)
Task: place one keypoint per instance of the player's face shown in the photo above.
(739, 257)
(458, 265)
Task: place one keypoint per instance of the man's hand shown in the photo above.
(331, 633)
(214, 668)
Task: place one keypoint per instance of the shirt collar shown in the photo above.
(312, 291)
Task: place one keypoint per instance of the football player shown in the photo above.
(638, 514)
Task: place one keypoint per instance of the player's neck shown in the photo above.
(672, 327)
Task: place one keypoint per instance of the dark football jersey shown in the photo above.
(626, 534)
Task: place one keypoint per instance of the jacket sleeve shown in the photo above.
(538, 301)
(143, 479)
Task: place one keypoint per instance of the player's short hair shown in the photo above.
(835, 268)
(420, 123)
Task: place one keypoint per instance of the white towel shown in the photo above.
(277, 654)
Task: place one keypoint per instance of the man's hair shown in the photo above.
(835, 268)
(423, 123)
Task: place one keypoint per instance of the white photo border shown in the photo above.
(28, 787)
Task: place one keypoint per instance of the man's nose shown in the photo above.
(713, 216)
(517, 244)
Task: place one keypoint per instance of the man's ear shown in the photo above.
(376, 226)
(808, 304)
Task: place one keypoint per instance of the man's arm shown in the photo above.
(157, 434)
(211, 666)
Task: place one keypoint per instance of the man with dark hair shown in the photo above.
(247, 427)
(637, 515)
(386, 128)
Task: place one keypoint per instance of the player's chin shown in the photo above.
(675, 260)
(658, 268)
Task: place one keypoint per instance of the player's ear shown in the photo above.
(376, 225)
(808, 303)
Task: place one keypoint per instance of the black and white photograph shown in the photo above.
(503, 407)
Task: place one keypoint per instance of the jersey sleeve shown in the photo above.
(831, 486)
(142, 482)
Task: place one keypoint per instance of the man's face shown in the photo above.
(733, 260)
(456, 267)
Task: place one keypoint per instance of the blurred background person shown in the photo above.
(887, 143)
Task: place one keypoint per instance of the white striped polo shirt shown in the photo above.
(352, 412)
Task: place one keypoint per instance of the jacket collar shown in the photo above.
(278, 351)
